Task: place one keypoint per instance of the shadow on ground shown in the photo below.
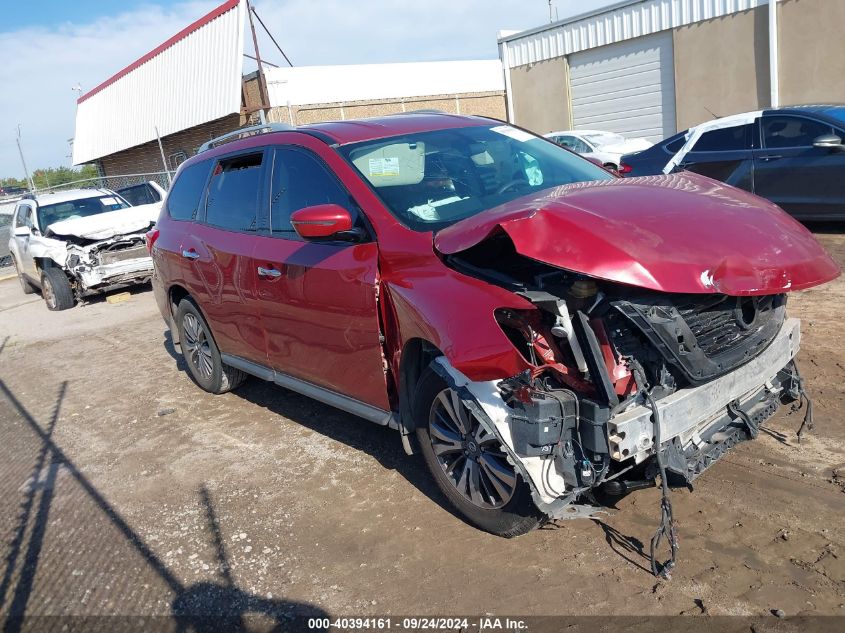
(217, 604)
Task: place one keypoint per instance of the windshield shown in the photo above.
(606, 138)
(430, 180)
(81, 208)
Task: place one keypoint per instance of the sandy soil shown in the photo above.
(124, 489)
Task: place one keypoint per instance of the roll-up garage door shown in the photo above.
(627, 88)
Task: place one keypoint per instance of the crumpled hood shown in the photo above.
(680, 233)
(104, 226)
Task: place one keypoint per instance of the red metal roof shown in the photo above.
(215, 13)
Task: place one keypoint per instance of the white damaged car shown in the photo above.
(79, 242)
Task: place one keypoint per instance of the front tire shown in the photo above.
(55, 287)
(469, 464)
(201, 353)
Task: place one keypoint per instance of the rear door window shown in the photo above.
(234, 191)
(724, 140)
(792, 131)
(301, 180)
(184, 197)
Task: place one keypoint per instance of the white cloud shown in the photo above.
(40, 65)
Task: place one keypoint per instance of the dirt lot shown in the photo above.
(124, 489)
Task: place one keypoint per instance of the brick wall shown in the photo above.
(490, 104)
(147, 157)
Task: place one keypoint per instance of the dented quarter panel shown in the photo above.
(680, 233)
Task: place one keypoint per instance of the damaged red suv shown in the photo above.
(535, 327)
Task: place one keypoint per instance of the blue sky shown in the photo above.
(49, 46)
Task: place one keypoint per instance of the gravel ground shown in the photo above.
(125, 490)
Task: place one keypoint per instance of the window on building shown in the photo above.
(186, 192)
(792, 131)
(233, 193)
(724, 140)
(300, 180)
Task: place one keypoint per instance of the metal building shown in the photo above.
(156, 112)
(648, 68)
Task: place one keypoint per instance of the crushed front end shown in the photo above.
(628, 387)
(95, 265)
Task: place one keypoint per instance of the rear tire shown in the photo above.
(499, 502)
(201, 353)
(25, 285)
(55, 287)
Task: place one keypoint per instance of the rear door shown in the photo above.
(318, 300)
(806, 181)
(216, 253)
(724, 154)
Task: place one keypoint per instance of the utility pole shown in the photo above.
(23, 161)
(262, 82)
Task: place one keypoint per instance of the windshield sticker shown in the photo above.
(384, 167)
(109, 201)
(512, 132)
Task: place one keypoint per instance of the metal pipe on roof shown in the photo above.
(774, 77)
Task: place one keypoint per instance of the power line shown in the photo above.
(266, 30)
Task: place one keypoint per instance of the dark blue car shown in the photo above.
(791, 156)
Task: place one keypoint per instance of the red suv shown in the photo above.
(534, 326)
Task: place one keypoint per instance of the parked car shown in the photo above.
(5, 231)
(531, 324)
(791, 156)
(73, 243)
(606, 148)
(143, 193)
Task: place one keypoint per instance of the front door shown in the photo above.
(318, 300)
(807, 182)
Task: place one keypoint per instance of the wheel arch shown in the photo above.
(417, 354)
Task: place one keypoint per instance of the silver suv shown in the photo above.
(78, 242)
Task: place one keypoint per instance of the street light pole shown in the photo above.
(23, 161)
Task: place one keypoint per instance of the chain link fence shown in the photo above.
(7, 205)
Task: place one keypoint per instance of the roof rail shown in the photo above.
(244, 132)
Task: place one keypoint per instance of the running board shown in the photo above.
(326, 396)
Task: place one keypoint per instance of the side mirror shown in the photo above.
(828, 141)
(322, 221)
(22, 231)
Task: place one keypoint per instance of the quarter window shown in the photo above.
(792, 131)
(233, 193)
(300, 180)
(185, 194)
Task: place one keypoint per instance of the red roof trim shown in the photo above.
(216, 13)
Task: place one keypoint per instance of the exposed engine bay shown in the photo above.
(627, 386)
(95, 265)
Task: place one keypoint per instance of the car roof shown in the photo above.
(583, 132)
(357, 130)
(352, 131)
(55, 197)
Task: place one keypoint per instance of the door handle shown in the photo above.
(191, 254)
(769, 157)
(269, 273)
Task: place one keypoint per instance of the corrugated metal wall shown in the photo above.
(196, 80)
(615, 24)
(627, 88)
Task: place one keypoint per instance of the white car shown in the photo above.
(604, 147)
(79, 242)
